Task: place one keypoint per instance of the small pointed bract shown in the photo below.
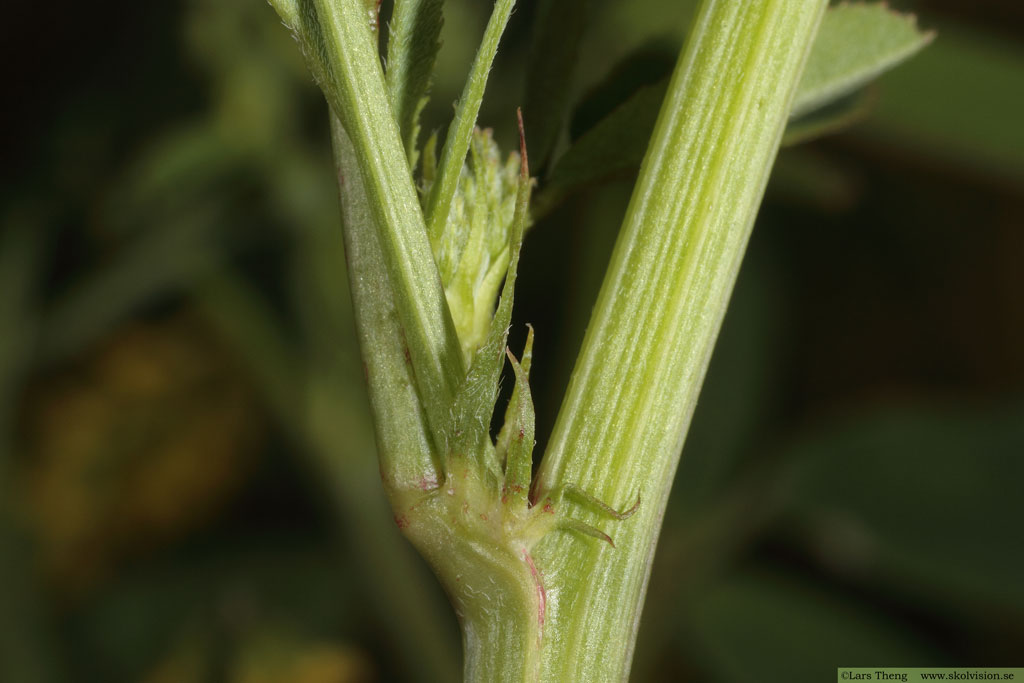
(519, 460)
(501, 446)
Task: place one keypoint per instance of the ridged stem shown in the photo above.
(637, 378)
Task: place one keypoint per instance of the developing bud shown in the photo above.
(473, 253)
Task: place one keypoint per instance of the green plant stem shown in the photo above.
(490, 585)
(493, 594)
(356, 90)
(403, 434)
(646, 351)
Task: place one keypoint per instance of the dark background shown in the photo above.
(186, 460)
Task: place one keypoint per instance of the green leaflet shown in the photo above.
(856, 42)
(615, 145)
(439, 198)
(413, 41)
(829, 119)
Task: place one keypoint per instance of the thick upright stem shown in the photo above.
(493, 585)
(643, 360)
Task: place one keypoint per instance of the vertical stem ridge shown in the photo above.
(649, 342)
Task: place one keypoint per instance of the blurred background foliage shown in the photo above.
(187, 471)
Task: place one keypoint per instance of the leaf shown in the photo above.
(612, 124)
(558, 29)
(413, 42)
(928, 499)
(856, 42)
(453, 155)
(829, 119)
(615, 145)
(650, 64)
